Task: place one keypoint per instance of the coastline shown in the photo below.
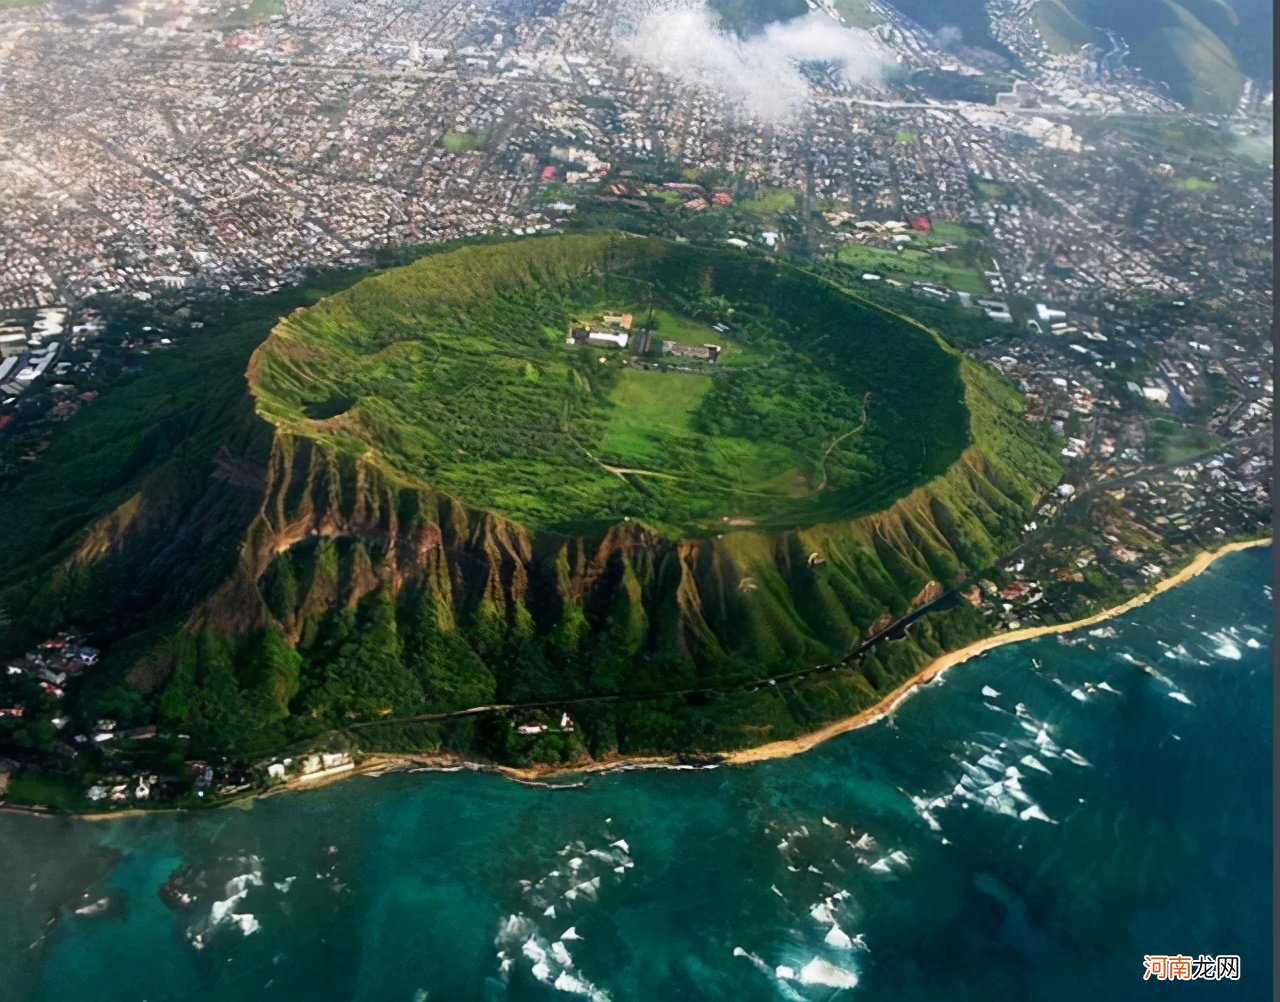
(794, 746)
(378, 764)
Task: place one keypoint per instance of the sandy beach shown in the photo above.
(378, 764)
(794, 746)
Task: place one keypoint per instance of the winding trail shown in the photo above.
(822, 486)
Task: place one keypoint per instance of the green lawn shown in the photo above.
(652, 428)
(771, 201)
(1169, 442)
(651, 408)
(683, 330)
(460, 142)
(992, 191)
(947, 233)
(906, 137)
(553, 191)
(911, 265)
(1195, 184)
(39, 789)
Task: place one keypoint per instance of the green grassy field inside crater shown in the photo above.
(455, 372)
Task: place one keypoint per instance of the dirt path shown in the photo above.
(625, 471)
(822, 485)
(621, 472)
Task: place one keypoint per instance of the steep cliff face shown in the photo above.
(771, 600)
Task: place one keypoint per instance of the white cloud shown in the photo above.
(760, 73)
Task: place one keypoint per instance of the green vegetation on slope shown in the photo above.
(258, 587)
(1171, 44)
(1060, 29)
(856, 13)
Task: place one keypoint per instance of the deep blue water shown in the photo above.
(1016, 832)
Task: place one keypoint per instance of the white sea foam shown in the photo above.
(1181, 698)
(561, 954)
(1079, 694)
(240, 884)
(247, 923)
(621, 844)
(1074, 758)
(975, 775)
(222, 910)
(570, 934)
(924, 807)
(1035, 812)
(989, 692)
(822, 972)
(236, 890)
(837, 938)
(1106, 687)
(740, 952)
(575, 985)
(1045, 743)
(534, 950)
(1031, 762)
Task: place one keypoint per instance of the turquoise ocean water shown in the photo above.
(1027, 828)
